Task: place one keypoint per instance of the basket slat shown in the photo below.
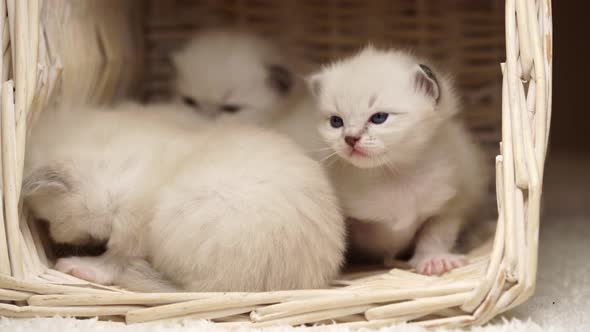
(155, 299)
(9, 176)
(4, 260)
(12, 295)
(31, 311)
(428, 305)
(305, 306)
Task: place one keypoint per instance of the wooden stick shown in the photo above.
(315, 316)
(547, 39)
(487, 306)
(508, 173)
(8, 282)
(447, 322)
(189, 307)
(526, 59)
(9, 177)
(4, 260)
(379, 323)
(33, 15)
(513, 79)
(7, 65)
(304, 306)
(11, 13)
(12, 295)
(431, 304)
(9, 310)
(215, 314)
(541, 87)
(158, 298)
(479, 294)
(21, 84)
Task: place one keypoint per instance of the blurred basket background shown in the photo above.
(96, 51)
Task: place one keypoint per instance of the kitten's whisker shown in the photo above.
(320, 149)
(384, 170)
(327, 158)
(332, 162)
(391, 166)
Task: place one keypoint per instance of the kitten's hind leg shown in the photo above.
(136, 275)
(96, 269)
(434, 244)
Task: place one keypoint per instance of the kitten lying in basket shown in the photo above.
(405, 169)
(180, 208)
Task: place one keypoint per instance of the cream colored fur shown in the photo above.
(227, 67)
(221, 68)
(418, 175)
(245, 210)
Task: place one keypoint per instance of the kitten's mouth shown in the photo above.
(356, 152)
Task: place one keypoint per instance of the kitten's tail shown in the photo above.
(140, 276)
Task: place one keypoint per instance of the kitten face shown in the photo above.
(378, 108)
(232, 75)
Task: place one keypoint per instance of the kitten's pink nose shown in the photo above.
(351, 140)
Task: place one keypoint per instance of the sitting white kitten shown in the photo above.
(235, 75)
(242, 211)
(406, 171)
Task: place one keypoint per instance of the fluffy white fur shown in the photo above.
(227, 74)
(413, 178)
(242, 211)
(218, 68)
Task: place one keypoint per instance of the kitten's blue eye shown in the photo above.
(379, 118)
(336, 121)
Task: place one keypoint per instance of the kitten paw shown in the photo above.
(437, 264)
(75, 266)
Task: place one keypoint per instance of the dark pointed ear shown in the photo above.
(281, 79)
(314, 83)
(425, 82)
(46, 180)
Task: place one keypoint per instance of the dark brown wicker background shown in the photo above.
(466, 37)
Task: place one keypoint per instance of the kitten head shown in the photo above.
(381, 108)
(55, 195)
(233, 75)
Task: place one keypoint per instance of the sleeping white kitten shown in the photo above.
(228, 74)
(232, 75)
(405, 169)
(242, 211)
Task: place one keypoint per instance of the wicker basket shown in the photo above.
(98, 50)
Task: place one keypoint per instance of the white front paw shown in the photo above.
(437, 264)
